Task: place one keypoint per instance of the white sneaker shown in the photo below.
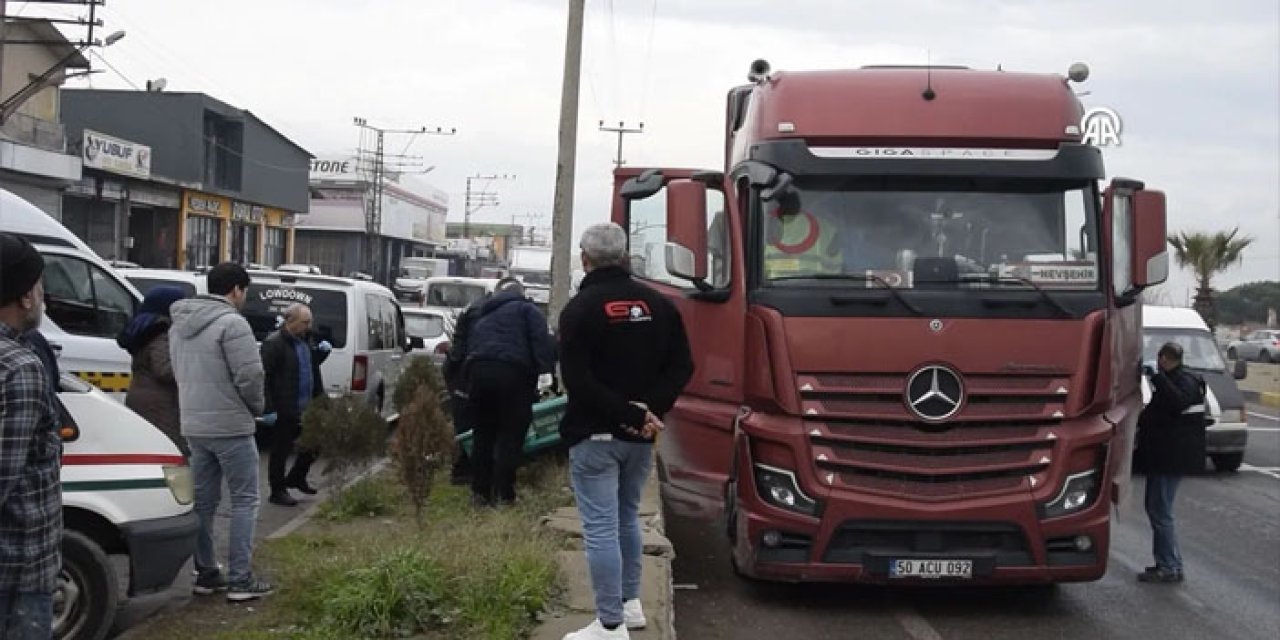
(633, 614)
(596, 631)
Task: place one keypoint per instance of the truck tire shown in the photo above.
(1227, 462)
(88, 592)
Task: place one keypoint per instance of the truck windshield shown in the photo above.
(1008, 234)
(417, 273)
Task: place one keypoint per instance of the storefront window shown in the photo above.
(275, 247)
(244, 243)
(204, 242)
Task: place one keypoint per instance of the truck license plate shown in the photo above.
(931, 569)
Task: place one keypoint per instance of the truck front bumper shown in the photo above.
(158, 549)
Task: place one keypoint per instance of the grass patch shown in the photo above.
(464, 574)
(370, 497)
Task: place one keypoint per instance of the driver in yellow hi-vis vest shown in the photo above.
(801, 244)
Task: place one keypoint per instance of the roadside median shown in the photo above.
(656, 589)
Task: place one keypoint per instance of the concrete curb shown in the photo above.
(657, 589)
(306, 516)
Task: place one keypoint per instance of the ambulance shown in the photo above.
(126, 489)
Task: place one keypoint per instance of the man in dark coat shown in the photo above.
(1171, 444)
(292, 362)
(625, 358)
(455, 383)
(509, 345)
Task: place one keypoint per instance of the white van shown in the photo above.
(452, 294)
(86, 302)
(1227, 433)
(362, 320)
(126, 488)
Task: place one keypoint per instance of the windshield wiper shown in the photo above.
(1044, 295)
(855, 277)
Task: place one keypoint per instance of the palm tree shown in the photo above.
(1208, 255)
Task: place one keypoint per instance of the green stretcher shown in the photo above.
(544, 431)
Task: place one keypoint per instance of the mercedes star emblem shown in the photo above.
(935, 326)
(935, 393)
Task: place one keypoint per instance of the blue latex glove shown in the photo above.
(325, 346)
(269, 419)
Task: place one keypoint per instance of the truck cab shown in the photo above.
(914, 315)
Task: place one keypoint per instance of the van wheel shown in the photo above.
(84, 603)
(1227, 462)
(1231, 354)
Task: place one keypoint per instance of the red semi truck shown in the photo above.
(916, 322)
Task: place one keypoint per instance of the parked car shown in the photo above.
(309, 269)
(361, 319)
(145, 280)
(1227, 432)
(433, 327)
(1262, 346)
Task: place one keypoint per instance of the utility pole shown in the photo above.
(477, 200)
(532, 218)
(562, 217)
(622, 130)
(377, 172)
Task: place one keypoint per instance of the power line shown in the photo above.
(377, 176)
(622, 130)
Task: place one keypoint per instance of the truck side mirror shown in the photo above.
(1240, 370)
(1150, 237)
(686, 252)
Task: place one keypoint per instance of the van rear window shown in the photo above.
(265, 306)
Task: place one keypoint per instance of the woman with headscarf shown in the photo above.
(153, 391)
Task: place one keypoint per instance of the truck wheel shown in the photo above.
(84, 603)
(1227, 462)
(1231, 354)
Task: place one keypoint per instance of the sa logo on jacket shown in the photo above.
(620, 311)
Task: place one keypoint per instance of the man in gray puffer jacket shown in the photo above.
(219, 373)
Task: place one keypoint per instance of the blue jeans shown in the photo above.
(1161, 490)
(235, 458)
(26, 616)
(608, 480)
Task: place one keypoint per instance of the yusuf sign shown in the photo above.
(115, 155)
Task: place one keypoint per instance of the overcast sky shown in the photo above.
(1198, 87)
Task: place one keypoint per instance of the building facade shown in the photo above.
(220, 184)
(333, 233)
(34, 160)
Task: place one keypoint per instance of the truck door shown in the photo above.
(694, 453)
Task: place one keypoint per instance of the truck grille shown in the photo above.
(862, 436)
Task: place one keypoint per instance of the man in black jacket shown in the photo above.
(625, 358)
(508, 346)
(292, 366)
(454, 371)
(1170, 445)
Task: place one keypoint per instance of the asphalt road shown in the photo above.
(1229, 528)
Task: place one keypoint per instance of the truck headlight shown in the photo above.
(779, 488)
(181, 483)
(1078, 492)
